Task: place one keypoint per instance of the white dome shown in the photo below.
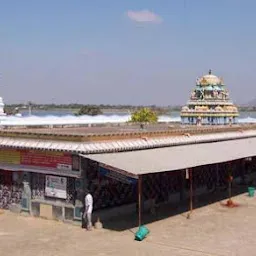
(1, 102)
(209, 79)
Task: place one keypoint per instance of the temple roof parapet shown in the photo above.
(210, 99)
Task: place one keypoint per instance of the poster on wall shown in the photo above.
(75, 163)
(56, 186)
(116, 176)
(9, 156)
(58, 160)
(47, 159)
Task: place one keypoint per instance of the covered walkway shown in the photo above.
(135, 163)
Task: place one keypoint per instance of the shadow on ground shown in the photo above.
(129, 222)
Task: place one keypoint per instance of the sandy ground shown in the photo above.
(212, 230)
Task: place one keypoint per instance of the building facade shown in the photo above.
(51, 184)
(47, 178)
(37, 179)
(209, 104)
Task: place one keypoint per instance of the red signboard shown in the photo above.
(46, 159)
(37, 158)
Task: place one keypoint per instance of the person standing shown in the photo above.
(88, 203)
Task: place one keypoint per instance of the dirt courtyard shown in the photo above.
(212, 230)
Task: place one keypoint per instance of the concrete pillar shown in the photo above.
(26, 197)
(79, 198)
(63, 211)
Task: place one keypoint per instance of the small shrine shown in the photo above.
(209, 103)
(2, 113)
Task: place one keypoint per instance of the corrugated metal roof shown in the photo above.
(121, 145)
(179, 157)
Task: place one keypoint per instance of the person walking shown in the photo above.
(87, 216)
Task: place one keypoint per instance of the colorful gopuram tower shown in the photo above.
(209, 104)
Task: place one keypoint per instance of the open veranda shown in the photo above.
(212, 230)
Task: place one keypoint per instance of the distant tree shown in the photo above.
(11, 110)
(144, 115)
(30, 105)
(89, 110)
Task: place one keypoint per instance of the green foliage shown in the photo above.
(89, 110)
(144, 115)
(11, 110)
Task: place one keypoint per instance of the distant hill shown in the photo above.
(249, 106)
(251, 103)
